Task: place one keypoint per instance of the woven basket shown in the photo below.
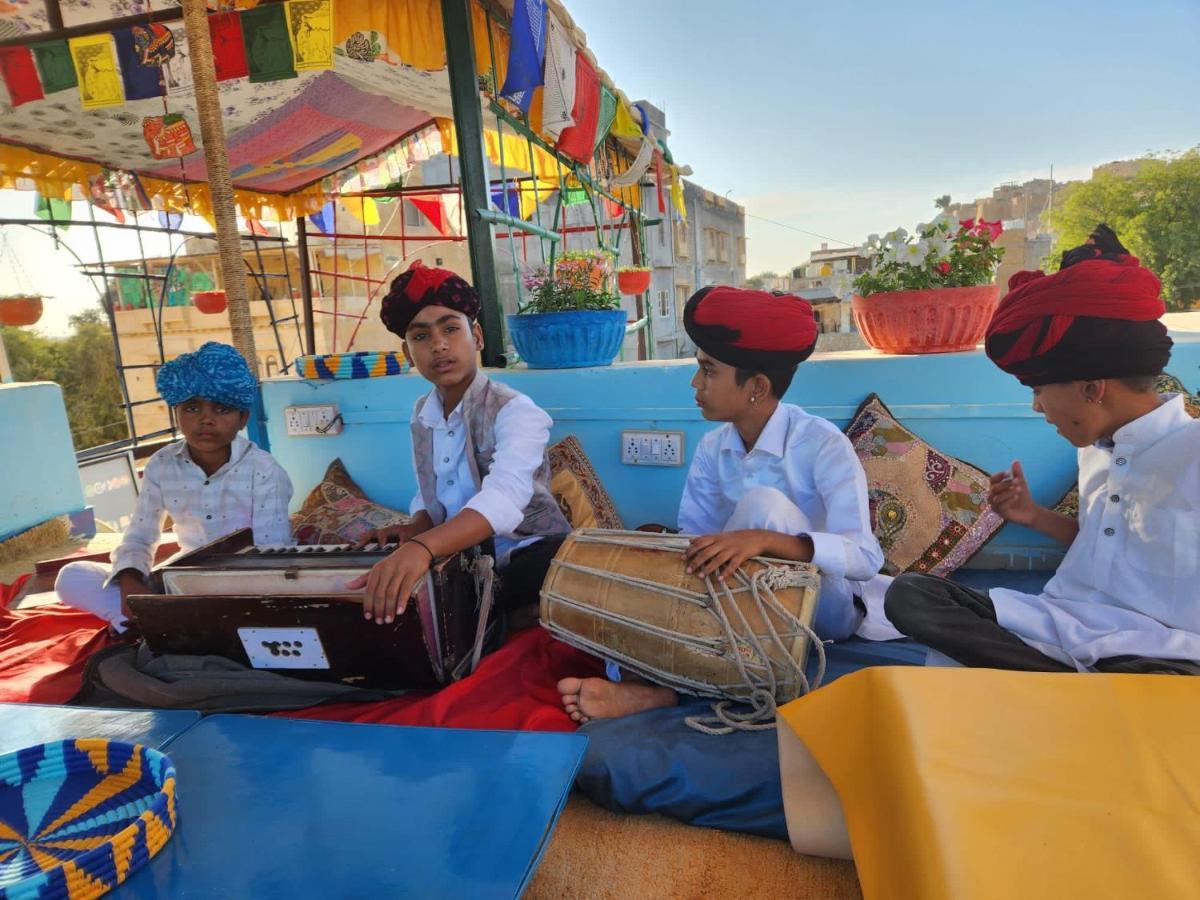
(78, 817)
(366, 364)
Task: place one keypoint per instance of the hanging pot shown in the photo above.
(20, 310)
(209, 302)
(634, 281)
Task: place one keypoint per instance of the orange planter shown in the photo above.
(943, 320)
(633, 282)
(209, 302)
(19, 311)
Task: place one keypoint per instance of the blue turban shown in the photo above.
(215, 372)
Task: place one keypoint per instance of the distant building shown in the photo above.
(1021, 209)
(817, 279)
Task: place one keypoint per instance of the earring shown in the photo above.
(753, 398)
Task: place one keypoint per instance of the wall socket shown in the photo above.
(652, 448)
(315, 421)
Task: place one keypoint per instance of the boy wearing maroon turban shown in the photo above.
(479, 450)
(771, 481)
(1088, 340)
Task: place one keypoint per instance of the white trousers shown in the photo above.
(80, 585)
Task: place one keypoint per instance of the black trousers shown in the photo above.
(961, 623)
(521, 580)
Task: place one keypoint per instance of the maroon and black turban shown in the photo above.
(1097, 317)
(422, 286)
(751, 329)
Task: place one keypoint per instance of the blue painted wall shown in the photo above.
(959, 402)
(37, 458)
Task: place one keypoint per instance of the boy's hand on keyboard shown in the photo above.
(392, 582)
(390, 534)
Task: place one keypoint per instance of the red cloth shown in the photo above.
(513, 688)
(1101, 288)
(20, 75)
(579, 141)
(43, 650)
(763, 321)
(229, 46)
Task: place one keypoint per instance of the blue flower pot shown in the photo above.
(568, 340)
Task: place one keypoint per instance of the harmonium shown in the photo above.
(286, 609)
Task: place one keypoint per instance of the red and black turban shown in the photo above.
(422, 286)
(751, 329)
(1097, 317)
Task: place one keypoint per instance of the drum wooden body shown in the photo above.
(626, 596)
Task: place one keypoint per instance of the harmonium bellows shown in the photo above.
(287, 609)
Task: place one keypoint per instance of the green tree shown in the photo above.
(759, 281)
(84, 366)
(1155, 212)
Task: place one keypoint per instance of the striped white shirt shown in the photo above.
(250, 491)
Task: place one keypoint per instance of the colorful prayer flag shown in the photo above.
(268, 44)
(363, 209)
(432, 210)
(526, 52)
(579, 141)
(141, 81)
(20, 75)
(323, 219)
(55, 66)
(310, 26)
(155, 44)
(53, 209)
(558, 97)
(96, 69)
(608, 112)
(229, 46)
(177, 72)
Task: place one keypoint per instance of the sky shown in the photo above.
(832, 121)
(847, 119)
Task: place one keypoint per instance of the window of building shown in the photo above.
(413, 217)
(682, 240)
(271, 365)
(710, 245)
(664, 305)
(722, 247)
(741, 251)
(682, 293)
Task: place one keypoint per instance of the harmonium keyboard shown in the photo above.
(287, 609)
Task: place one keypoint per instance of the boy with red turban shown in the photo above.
(773, 480)
(1088, 340)
(479, 450)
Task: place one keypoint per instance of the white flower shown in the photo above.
(891, 254)
(940, 245)
(946, 222)
(924, 229)
(899, 236)
(914, 254)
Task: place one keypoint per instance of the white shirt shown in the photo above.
(522, 432)
(807, 459)
(1130, 582)
(250, 491)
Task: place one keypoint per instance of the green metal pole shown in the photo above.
(468, 123)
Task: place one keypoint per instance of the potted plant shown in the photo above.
(931, 292)
(209, 302)
(20, 309)
(633, 279)
(573, 319)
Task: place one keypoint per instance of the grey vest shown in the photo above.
(480, 405)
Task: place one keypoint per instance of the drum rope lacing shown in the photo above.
(718, 599)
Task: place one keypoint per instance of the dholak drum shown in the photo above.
(625, 595)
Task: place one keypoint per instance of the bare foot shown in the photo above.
(585, 699)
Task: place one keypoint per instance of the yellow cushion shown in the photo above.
(961, 783)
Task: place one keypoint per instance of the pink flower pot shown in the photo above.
(941, 320)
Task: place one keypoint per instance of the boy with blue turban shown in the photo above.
(212, 483)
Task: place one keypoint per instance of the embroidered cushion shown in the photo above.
(928, 509)
(337, 511)
(1167, 384)
(577, 488)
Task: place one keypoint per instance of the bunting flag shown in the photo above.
(141, 81)
(623, 125)
(432, 210)
(170, 221)
(310, 28)
(558, 98)
(574, 196)
(677, 194)
(608, 112)
(20, 75)
(614, 209)
(268, 44)
(55, 66)
(101, 196)
(526, 53)
(255, 227)
(579, 141)
(229, 46)
(52, 209)
(322, 220)
(96, 69)
(362, 208)
(507, 199)
(177, 72)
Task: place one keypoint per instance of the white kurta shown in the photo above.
(1128, 584)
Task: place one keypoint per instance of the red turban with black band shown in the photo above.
(1097, 317)
(422, 286)
(751, 329)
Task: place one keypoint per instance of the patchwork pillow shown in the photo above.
(1166, 384)
(337, 511)
(577, 488)
(928, 510)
